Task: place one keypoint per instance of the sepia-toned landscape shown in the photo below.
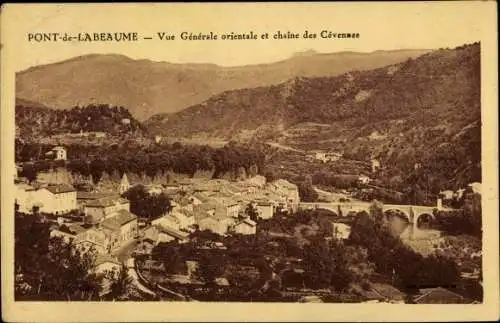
(327, 178)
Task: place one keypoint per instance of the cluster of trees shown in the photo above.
(408, 269)
(51, 269)
(338, 181)
(39, 121)
(242, 252)
(48, 268)
(151, 160)
(159, 159)
(331, 264)
(468, 220)
(145, 205)
(307, 193)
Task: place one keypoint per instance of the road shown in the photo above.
(135, 278)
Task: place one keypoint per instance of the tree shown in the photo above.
(49, 268)
(252, 212)
(145, 205)
(209, 268)
(326, 265)
(307, 192)
(391, 256)
(30, 172)
(97, 167)
(171, 256)
(121, 282)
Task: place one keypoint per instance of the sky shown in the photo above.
(382, 26)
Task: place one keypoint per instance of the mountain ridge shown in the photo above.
(147, 87)
(425, 110)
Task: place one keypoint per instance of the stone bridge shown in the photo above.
(411, 212)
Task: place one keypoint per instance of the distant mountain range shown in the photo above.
(424, 110)
(406, 108)
(147, 88)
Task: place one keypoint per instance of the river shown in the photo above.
(420, 239)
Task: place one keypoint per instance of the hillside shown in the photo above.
(147, 88)
(34, 120)
(424, 110)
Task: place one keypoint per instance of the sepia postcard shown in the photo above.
(249, 162)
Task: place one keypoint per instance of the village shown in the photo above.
(98, 218)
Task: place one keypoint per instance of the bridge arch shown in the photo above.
(403, 214)
(423, 216)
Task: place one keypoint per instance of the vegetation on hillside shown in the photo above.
(425, 111)
(150, 160)
(36, 121)
(148, 88)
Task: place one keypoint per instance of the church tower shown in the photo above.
(124, 184)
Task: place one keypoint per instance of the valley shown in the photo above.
(364, 168)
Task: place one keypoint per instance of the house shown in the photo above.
(83, 198)
(325, 156)
(202, 197)
(475, 187)
(221, 282)
(159, 233)
(124, 184)
(52, 198)
(125, 121)
(57, 153)
(446, 195)
(246, 226)
(203, 210)
(439, 295)
(184, 202)
(265, 209)
(288, 192)
(99, 134)
(120, 228)
(363, 179)
(158, 139)
(92, 238)
(217, 224)
(318, 154)
(122, 225)
(25, 197)
(185, 217)
(388, 292)
(169, 220)
(170, 234)
(228, 208)
(99, 209)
